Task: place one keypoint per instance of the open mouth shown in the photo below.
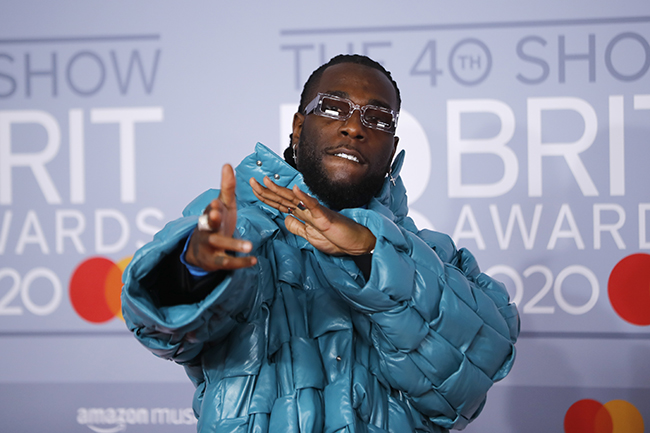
(347, 156)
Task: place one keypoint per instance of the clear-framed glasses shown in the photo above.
(335, 107)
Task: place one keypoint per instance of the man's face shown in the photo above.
(344, 162)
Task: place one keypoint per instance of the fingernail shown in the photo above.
(301, 206)
(247, 247)
(290, 211)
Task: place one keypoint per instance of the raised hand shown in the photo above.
(209, 249)
(327, 230)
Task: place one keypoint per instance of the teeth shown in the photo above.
(346, 156)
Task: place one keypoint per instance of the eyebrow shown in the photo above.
(375, 102)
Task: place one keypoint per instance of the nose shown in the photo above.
(353, 127)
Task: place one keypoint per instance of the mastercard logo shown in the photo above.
(590, 416)
(629, 289)
(95, 289)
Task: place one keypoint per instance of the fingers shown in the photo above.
(312, 235)
(224, 262)
(212, 219)
(307, 200)
(293, 201)
(295, 226)
(217, 258)
(228, 263)
(228, 184)
(213, 252)
(224, 243)
(293, 198)
(284, 193)
(275, 196)
(225, 201)
(327, 230)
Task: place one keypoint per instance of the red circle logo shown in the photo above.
(590, 416)
(629, 289)
(95, 288)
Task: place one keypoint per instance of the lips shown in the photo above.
(347, 153)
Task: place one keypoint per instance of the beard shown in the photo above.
(336, 195)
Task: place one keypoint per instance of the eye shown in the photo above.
(334, 108)
(378, 117)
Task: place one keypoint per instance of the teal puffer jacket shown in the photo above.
(302, 342)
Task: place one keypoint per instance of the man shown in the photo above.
(306, 300)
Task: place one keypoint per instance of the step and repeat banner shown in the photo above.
(527, 133)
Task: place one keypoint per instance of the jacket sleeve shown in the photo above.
(443, 331)
(179, 332)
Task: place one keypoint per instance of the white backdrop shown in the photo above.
(526, 126)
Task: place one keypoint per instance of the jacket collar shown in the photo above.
(264, 162)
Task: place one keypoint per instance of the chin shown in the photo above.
(341, 180)
(342, 193)
(338, 183)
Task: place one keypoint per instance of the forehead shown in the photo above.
(362, 84)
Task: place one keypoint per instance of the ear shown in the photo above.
(298, 120)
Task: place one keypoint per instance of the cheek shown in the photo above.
(312, 135)
(383, 156)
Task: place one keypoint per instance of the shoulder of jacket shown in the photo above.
(196, 206)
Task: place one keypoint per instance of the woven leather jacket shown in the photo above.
(304, 342)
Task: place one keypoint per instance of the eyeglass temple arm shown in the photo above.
(312, 105)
